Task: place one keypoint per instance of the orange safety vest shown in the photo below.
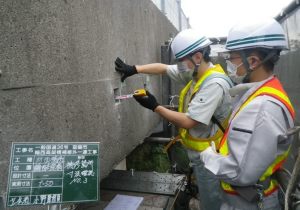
(191, 142)
(274, 89)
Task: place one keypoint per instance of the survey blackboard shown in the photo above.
(53, 173)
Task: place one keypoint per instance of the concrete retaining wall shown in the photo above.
(288, 66)
(68, 49)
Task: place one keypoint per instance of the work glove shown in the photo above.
(148, 101)
(125, 69)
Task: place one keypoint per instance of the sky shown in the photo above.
(216, 17)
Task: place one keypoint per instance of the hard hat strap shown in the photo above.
(247, 66)
(195, 72)
(271, 55)
(190, 57)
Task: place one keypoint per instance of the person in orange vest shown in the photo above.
(251, 150)
(203, 104)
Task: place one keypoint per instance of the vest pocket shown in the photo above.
(242, 130)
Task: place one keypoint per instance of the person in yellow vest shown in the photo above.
(204, 103)
(252, 149)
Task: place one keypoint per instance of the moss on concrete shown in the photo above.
(151, 157)
(148, 157)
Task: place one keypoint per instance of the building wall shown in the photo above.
(58, 80)
(172, 9)
(289, 63)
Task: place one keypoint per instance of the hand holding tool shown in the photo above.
(148, 101)
(139, 92)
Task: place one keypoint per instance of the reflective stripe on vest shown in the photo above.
(191, 142)
(274, 89)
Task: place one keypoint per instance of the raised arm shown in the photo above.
(152, 68)
(128, 70)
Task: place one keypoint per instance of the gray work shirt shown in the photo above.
(252, 141)
(212, 99)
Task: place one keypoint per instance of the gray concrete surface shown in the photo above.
(288, 72)
(288, 65)
(74, 44)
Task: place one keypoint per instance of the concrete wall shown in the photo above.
(288, 67)
(68, 47)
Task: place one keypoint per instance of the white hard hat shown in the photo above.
(187, 42)
(266, 33)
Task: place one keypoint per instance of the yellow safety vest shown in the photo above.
(191, 142)
(274, 89)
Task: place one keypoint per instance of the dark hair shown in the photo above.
(262, 53)
(206, 53)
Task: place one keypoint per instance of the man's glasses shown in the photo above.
(231, 58)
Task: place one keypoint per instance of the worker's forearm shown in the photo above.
(153, 68)
(177, 118)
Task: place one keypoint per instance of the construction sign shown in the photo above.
(53, 173)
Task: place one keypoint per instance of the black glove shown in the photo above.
(148, 101)
(124, 69)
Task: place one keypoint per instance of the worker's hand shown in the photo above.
(125, 69)
(148, 101)
(210, 159)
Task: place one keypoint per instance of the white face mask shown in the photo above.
(182, 66)
(185, 71)
(232, 69)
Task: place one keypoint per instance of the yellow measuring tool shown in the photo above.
(139, 92)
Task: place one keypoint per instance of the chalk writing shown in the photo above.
(49, 173)
(20, 200)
